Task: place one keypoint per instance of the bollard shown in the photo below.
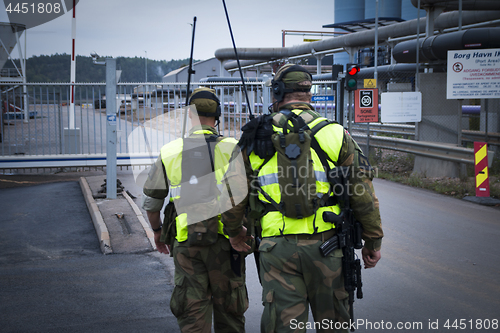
(481, 169)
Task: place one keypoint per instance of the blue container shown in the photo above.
(386, 8)
(347, 11)
(409, 12)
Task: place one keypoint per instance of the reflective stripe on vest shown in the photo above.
(273, 178)
(332, 137)
(171, 154)
(175, 192)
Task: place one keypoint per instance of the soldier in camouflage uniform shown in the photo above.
(293, 273)
(209, 275)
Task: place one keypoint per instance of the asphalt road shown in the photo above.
(438, 264)
(54, 278)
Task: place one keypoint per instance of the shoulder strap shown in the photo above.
(322, 155)
(315, 145)
(212, 138)
(316, 128)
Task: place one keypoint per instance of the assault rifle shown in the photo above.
(347, 238)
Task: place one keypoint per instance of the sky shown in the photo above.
(162, 29)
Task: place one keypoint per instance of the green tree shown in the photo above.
(56, 68)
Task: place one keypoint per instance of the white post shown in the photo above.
(71, 133)
(73, 70)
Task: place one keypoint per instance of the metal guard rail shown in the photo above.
(74, 160)
(443, 151)
(446, 152)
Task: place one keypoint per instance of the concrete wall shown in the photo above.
(439, 123)
(439, 115)
(490, 107)
(490, 114)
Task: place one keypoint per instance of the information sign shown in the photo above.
(473, 74)
(319, 98)
(111, 119)
(401, 107)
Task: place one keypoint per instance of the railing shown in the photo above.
(150, 115)
(10, 72)
(403, 130)
(448, 152)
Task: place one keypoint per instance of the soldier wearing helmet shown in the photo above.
(293, 273)
(209, 275)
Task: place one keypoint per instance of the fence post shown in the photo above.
(111, 128)
(340, 100)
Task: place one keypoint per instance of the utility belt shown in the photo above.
(322, 236)
(186, 242)
(331, 201)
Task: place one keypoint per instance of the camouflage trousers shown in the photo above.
(294, 275)
(206, 283)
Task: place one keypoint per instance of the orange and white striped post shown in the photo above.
(481, 169)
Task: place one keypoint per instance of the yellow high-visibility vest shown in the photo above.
(330, 139)
(171, 155)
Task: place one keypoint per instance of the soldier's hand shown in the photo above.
(161, 247)
(239, 242)
(370, 257)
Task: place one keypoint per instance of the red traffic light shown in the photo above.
(353, 70)
(351, 82)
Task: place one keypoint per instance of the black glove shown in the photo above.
(248, 137)
(263, 139)
(257, 135)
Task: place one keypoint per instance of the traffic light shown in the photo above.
(351, 81)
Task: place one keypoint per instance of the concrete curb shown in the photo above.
(142, 220)
(485, 201)
(99, 225)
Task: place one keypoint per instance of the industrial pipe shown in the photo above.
(436, 47)
(357, 39)
(450, 5)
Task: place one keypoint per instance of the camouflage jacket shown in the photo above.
(365, 204)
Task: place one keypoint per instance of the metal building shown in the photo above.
(205, 68)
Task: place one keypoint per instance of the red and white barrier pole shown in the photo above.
(73, 69)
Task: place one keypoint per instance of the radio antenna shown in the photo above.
(190, 71)
(251, 116)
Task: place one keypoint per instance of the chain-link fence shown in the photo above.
(150, 115)
(448, 121)
(36, 120)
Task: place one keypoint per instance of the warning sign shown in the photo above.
(473, 74)
(369, 83)
(366, 106)
(481, 169)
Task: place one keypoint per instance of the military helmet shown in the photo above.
(206, 102)
(288, 79)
